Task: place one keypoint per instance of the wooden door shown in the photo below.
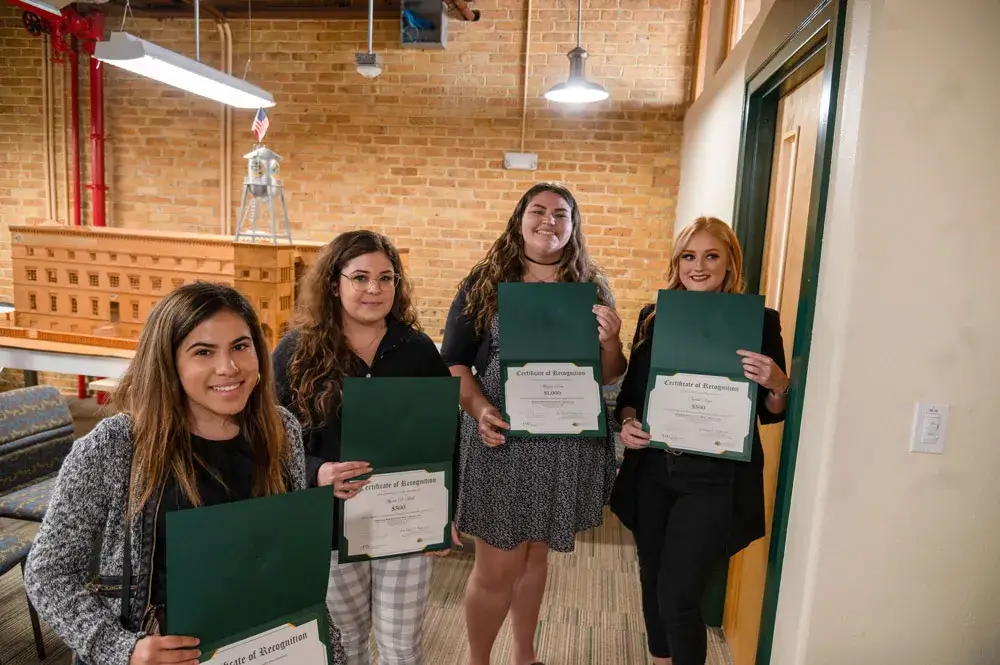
(781, 275)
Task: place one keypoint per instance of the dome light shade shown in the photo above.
(577, 89)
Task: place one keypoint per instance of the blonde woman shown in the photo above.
(688, 513)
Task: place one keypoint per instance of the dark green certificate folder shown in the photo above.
(550, 324)
(698, 334)
(238, 569)
(400, 424)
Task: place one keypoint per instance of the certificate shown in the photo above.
(553, 398)
(397, 513)
(700, 413)
(698, 400)
(410, 445)
(249, 578)
(286, 644)
(550, 360)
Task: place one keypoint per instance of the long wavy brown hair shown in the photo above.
(322, 354)
(504, 262)
(734, 272)
(152, 396)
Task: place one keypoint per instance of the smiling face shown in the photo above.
(218, 367)
(703, 263)
(368, 287)
(546, 226)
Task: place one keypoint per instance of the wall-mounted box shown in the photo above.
(423, 24)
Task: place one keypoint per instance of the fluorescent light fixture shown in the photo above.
(160, 64)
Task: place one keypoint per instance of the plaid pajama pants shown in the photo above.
(389, 595)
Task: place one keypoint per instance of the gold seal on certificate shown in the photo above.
(397, 513)
(699, 413)
(552, 398)
(287, 643)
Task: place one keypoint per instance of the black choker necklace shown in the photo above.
(539, 263)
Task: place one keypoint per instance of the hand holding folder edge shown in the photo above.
(550, 323)
(415, 429)
(241, 568)
(699, 333)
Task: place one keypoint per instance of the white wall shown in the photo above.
(894, 557)
(711, 142)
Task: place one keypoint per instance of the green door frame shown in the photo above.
(816, 42)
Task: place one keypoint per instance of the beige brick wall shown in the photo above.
(416, 153)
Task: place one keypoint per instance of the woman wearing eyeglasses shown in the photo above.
(354, 318)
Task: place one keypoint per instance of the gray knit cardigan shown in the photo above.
(85, 522)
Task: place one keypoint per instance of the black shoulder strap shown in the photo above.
(127, 565)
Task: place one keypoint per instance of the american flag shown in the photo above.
(260, 125)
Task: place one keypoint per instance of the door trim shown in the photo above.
(816, 43)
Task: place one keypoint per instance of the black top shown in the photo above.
(461, 345)
(232, 461)
(403, 352)
(748, 512)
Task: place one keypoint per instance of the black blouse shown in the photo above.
(232, 461)
(461, 345)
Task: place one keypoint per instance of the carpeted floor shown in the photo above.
(591, 614)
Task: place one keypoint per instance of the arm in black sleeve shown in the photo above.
(311, 437)
(773, 347)
(633, 390)
(460, 342)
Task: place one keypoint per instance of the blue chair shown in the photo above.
(36, 432)
(13, 552)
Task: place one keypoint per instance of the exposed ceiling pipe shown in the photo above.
(524, 84)
(47, 147)
(462, 7)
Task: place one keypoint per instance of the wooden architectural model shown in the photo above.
(100, 283)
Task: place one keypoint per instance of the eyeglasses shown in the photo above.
(364, 283)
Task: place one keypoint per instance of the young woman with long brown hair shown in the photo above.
(198, 425)
(688, 513)
(521, 498)
(355, 318)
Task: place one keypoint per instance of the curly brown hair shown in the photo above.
(504, 262)
(322, 353)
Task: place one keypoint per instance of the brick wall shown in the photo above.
(416, 153)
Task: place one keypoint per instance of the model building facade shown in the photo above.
(105, 281)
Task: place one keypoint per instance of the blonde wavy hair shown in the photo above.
(722, 232)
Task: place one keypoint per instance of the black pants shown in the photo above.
(683, 513)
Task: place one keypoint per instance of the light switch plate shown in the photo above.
(520, 161)
(930, 423)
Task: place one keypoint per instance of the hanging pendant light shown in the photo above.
(577, 89)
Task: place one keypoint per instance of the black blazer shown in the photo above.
(748, 509)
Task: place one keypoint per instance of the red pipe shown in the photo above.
(98, 186)
(74, 88)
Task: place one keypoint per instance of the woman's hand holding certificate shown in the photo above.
(172, 650)
(339, 475)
